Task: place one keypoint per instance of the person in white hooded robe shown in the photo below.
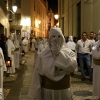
(40, 46)
(25, 44)
(2, 68)
(16, 52)
(96, 67)
(45, 42)
(10, 50)
(33, 44)
(51, 78)
(71, 45)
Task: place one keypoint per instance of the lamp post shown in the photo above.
(14, 7)
(56, 16)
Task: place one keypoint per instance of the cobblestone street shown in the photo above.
(16, 86)
(82, 90)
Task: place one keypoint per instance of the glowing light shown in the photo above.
(14, 7)
(56, 16)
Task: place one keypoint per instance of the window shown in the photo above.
(18, 2)
(34, 5)
(18, 18)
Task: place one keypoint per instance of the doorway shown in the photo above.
(78, 19)
(1, 29)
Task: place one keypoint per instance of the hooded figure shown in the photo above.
(51, 78)
(16, 52)
(10, 50)
(96, 67)
(45, 42)
(33, 44)
(40, 46)
(70, 44)
(25, 44)
(2, 68)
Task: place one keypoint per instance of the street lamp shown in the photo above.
(39, 22)
(14, 7)
(56, 16)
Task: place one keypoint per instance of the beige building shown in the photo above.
(31, 17)
(4, 23)
(77, 16)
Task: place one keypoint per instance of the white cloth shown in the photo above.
(10, 48)
(45, 42)
(33, 45)
(2, 68)
(96, 69)
(84, 47)
(25, 45)
(47, 63)
(16, 53)
(71, 45)
(92, 43)
(40, 47)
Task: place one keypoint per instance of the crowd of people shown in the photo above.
(10, 54)
(56, 59)
(56, 62)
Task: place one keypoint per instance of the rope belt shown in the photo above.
(64, 83)
(96, 61)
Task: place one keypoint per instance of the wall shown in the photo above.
(4, 20)
(90, 16)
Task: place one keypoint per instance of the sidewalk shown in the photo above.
(17, 86)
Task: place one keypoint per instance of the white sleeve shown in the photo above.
(66, 61)
(35, 87)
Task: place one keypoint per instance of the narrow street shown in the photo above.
(16, 86)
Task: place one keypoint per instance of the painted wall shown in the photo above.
(90, 16)
(4, 21)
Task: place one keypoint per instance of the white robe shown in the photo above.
(16, 53)
(40, 47)
(2, 68)
(25, 45)
(45, 65)
(10, 48)
(71, 45)
(33, 45)
(96, 71)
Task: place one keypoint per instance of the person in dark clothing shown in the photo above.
(2, 43)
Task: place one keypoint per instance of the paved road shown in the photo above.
(17, 85)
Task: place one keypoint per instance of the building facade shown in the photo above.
(76, 16)
(30, 18)
(4, 22)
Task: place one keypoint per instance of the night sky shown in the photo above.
(53, 4)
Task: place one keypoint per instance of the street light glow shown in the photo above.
(14, 7)
(56, 16)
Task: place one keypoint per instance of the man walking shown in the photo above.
(83, 47)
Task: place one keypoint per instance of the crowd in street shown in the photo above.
(55, 62)
(56, 59)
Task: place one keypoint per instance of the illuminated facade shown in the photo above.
(31, 17)
(4, 23)
(76, 16)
